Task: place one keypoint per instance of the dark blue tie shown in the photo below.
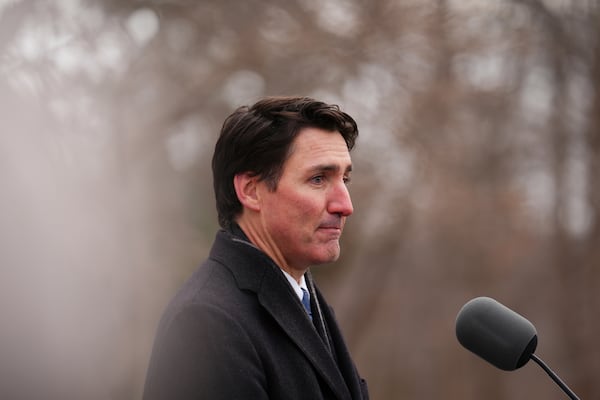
(306, 302)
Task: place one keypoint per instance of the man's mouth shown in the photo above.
(332, 225)
(336, 227)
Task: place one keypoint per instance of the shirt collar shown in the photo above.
(297, 287)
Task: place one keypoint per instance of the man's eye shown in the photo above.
(317, 179)
(347, 180)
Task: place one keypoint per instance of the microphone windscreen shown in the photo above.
(496, 333)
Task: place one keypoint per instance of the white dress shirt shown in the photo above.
(297, 287)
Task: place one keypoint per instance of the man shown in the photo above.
(238, 329)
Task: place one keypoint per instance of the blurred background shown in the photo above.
(476, 173)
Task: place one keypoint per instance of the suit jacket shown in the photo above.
(236, 330)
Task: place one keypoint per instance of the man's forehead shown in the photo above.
(312, 141)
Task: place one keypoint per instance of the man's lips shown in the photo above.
(331, 225)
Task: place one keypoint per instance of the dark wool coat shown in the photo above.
(236, 330)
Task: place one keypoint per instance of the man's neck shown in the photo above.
(268, 246)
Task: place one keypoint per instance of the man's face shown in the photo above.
(304, 217)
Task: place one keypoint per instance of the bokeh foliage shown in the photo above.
(476, 173)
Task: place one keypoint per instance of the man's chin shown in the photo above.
(328, 255)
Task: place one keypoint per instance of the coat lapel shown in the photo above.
(255, 271)
(294, 321)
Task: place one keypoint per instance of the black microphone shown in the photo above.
(500, 336)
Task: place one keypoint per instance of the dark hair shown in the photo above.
(258, 139)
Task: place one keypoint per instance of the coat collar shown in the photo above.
(253, 270)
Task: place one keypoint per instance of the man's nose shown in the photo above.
(339, 200)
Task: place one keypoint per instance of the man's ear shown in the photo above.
(245, 185)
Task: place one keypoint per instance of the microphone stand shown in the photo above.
(554, 377)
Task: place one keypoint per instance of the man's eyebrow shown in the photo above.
(330, 167)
